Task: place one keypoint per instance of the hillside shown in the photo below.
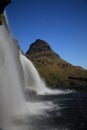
(53, 69)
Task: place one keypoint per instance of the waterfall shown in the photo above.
(17, 76)
(32, 78)
(12, 101)
(33, 81)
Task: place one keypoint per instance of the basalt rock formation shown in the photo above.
(53, 69)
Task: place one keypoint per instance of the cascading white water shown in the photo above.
(12, 101)
(32, 79)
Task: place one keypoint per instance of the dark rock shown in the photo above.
(3, 4)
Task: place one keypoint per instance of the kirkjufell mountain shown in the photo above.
(53, 69)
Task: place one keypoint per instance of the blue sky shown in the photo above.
(62, 23)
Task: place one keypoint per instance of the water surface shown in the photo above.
(58, 112)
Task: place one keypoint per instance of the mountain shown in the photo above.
(53, 69)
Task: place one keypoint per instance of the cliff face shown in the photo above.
(55, 71)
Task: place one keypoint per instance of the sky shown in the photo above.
(61, 23)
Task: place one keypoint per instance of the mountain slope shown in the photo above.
(53, 69)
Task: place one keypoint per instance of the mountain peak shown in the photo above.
(39, 45)
(39, 49)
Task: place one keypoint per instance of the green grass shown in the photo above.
(54, 75)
